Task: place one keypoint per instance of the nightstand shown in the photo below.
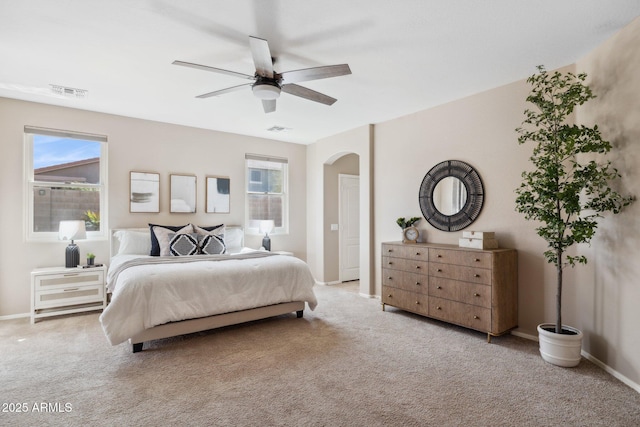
(59, 290)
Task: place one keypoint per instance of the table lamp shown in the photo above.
(72, 230)
(266, 226)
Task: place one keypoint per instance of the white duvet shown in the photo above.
(148, 295)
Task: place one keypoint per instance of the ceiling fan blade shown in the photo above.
(213, 69)
(269, 105)
(315, 73)
(261, 56)
(309, 94)
(223, 91)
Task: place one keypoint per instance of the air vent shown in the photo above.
(278, 129)
(69, 92)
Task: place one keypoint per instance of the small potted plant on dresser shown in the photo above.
(410, 233)
(566, 192)
(90, 258)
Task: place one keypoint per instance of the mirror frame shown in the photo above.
(475, 195)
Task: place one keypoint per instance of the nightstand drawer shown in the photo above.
(69, 295)
(68, 279)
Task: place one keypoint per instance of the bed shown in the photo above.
(166, 281)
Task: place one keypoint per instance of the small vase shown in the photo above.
(90, 261)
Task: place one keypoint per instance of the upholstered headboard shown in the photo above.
(138, 240)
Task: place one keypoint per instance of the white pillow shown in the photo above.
(233, 239)
(133, 242)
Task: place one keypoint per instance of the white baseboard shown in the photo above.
(15, 316)
(611, 371)
(593, 360)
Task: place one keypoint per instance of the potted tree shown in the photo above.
(566, 192)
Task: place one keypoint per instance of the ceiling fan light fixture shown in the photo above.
(266, 91)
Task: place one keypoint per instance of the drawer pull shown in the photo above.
(417, 283)
(475, 317)
(390, 296)
(439, 256)
(70, 289)
(418, 253)
(417, 302)
(390, 262)
(390, 278)
(476, 275)
(438, 308)
(476, 295)
(71, 274)
(389, 250)
(477, 260)
(438, 287)
(439, 270)
(417, 267)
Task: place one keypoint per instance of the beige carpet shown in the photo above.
(346, 364)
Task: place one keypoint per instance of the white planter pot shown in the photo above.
(560, 349)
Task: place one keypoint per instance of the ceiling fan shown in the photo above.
(267, 83)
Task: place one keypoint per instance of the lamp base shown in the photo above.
(72, 256)
(266, 243)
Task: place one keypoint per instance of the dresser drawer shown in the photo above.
(404, 280)
(468, 258)
(415, 252)
(409, 265)
(69, 295)
(468, 293)
(471, 316)
(456, 272)
(68, 279)
(410, 301)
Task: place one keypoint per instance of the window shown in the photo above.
(267, 186)
(66, 180)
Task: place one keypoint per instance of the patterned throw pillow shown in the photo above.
(183, 244)
(159, 239)
(212, 244)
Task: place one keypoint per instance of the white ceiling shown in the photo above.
(405, 55)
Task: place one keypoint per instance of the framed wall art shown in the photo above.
(144, 192)
(218, 194)
(183, 194)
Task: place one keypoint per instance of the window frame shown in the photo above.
(251, 227)
(30, 184)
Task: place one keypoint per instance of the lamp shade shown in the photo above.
(72, 230)
(266, 226)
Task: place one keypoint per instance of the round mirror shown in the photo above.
(451, 195)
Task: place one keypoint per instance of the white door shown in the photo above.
(349, 225)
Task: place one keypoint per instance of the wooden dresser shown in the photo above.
(474, 288)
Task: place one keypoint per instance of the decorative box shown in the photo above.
(478, 235)
(484, 243)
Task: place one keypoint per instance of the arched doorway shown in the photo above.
(341, 253)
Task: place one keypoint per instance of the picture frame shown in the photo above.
(182, 193)
(218, 194)
(144, 192)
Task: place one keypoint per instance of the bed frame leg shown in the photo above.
(137, 347)
(299, 313)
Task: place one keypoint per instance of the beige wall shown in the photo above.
(609, 286)
(133, 144)
(601, 298)
(347, 164)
